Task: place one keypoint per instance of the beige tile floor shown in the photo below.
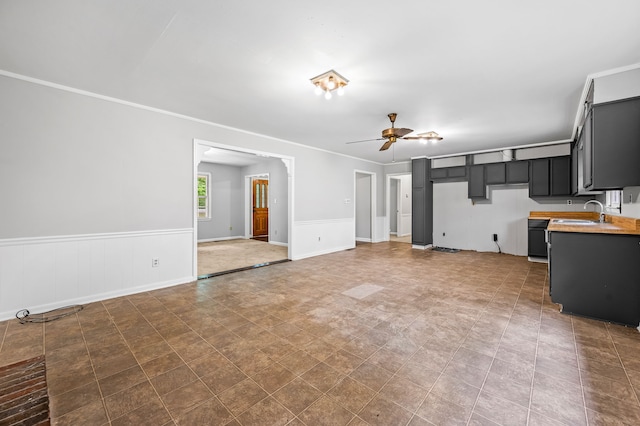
(466, 338)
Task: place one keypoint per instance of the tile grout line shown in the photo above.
(501, 337)
(535, 359)
(626, 373)
(582, 390)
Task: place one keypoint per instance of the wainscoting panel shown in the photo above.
(317, 237)
(41, 274)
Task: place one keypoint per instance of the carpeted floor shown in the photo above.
(234, 254)
(405, 239)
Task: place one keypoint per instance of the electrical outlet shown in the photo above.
(155, 262)
(318, 238)
(443, 234)
(495, 237)
(569, 202)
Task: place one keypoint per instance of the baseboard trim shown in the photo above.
(321, 252)
(419, 247)
(99, 297)
(363, 240)
(278, 243)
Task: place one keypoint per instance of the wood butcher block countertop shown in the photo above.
(612, 224)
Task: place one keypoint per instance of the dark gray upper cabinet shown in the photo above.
(550, 177)
(612, 145)
(449, 174)
(539, 178)
(477, 187)
(440, 173)
(419, 172)
(495, 173)
(517, 171)
(574, 169)
(560, 176)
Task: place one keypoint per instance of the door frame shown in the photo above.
(387, 220)
(248, 211)
(372, 176)
(289, 162)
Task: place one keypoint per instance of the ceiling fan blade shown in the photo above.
(402, 131)
(386, 146)
(366, 140)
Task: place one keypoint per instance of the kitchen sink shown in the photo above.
(575, 222)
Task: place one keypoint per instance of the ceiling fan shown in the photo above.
(393, 133)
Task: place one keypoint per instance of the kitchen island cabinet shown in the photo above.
(595, 275)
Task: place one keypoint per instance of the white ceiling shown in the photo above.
(484, 74)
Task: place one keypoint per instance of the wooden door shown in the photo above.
(260, 201)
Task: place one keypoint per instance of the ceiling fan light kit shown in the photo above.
(329, 82)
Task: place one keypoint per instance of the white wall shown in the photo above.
(78, 167)
(226, 189)
(471, 226)
(631, 202)
(394, 184)
(405, 205)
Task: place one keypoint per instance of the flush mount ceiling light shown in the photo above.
(328, 82)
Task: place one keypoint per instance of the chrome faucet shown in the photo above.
(601, 208)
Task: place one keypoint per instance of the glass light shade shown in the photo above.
(331, 84)
(327, 95)
(340, 90)
(318, 90)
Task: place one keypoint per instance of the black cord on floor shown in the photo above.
(499, 249)
(24, 316)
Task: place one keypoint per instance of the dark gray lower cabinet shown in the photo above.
(536, 243)
(595, 275)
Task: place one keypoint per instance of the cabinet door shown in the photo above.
(456, 172)
(616, 144)
(574, 168)
(495, 173)
(517, 171)
(594, 275)
(438, 173)
(561, 175)
(536, 244)
(419, 172)
(477, 187)
(587, 165)
(539, 177)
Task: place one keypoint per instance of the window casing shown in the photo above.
(204, 199)
(613, 201)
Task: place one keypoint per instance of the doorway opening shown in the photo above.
(398, 206)
(259, 207)
(364, 206)
(224, 241)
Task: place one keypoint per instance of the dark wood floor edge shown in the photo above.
(246, 268)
